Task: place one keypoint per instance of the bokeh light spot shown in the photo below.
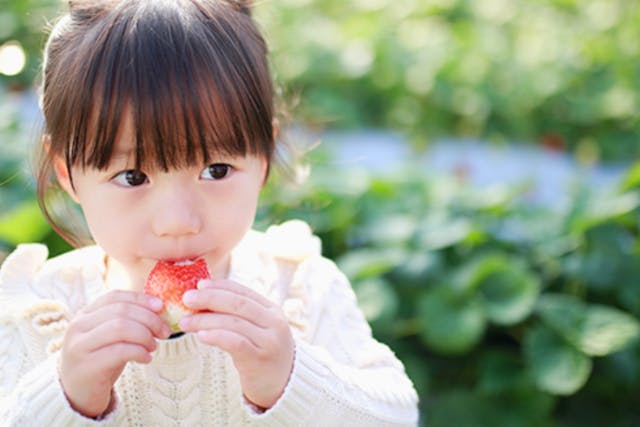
(12, 58)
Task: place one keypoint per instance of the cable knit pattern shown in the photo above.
(341, 375)
(13, 356)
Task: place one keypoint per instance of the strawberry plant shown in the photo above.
(490, 301)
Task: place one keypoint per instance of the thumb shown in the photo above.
(205, 284)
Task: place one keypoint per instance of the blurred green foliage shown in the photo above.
(559, 72)
(490, 302)
(26, 21)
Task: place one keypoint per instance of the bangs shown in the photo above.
(193, 80)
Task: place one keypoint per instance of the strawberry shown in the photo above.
(169, 281)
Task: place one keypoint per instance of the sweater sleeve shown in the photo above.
(341, 374)
(31, 330)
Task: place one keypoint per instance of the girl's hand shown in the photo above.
(117, 328)
(252, 329)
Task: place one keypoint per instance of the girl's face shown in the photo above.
(140, 217)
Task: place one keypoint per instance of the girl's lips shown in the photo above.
(180, 261)
(184, 262)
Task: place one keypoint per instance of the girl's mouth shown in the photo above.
(179, 260)
(187, 261)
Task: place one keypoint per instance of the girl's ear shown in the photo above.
(63, 177)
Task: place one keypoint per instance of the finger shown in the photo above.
(221, 321)
(124, 310)
(235, 344)
(225, 301)
(119, 330)
(237, 288)
(116, 355)
(138, 298)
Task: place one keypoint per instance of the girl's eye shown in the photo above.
(216, 171)
(131, 178)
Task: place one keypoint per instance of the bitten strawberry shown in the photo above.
(169, 281)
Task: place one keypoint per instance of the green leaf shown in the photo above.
(392, 229)
(508, 289)
(555, 366)
(602, 209)
(451, 323)
(23, 224)
(377, 300)
(418, 268)
(606, 258)
(632, 178)
(596, 330)
(500, 372)
(439, 233)
(365, 263)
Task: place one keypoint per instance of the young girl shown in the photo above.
(159, 124)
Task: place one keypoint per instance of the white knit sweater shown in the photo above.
(341, 375)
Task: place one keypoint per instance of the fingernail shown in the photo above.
(205, 283)
(189, 297)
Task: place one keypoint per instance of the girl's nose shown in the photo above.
(175, 215)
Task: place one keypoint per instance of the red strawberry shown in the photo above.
(169, 281)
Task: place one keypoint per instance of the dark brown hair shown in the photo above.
(192, 74)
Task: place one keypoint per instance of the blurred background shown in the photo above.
(475, 175)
